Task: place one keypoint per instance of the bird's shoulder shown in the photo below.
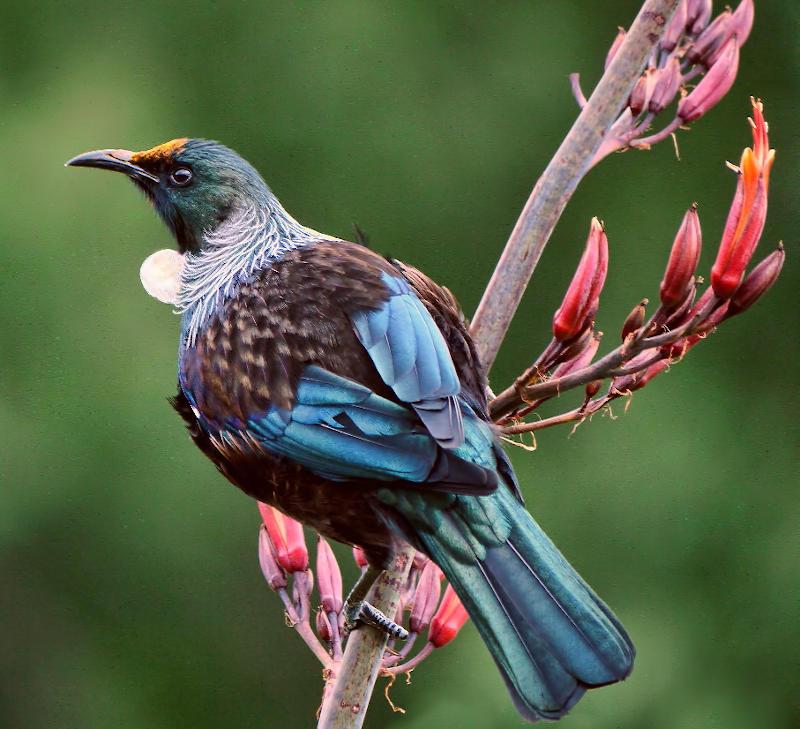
(448, 316)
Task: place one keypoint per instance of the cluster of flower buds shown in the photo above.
(283, 556)
(693, 49)
(682, 319)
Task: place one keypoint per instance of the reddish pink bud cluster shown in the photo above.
(691, 47)
(680, 322)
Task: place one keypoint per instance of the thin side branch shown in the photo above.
(611, 365)
(559, 180)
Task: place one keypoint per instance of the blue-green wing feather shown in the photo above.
(412, 357)
(342, 430)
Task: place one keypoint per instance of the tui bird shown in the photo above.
(344, 389)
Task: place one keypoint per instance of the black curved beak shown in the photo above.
(112, 159)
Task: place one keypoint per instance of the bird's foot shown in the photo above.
(363, 613)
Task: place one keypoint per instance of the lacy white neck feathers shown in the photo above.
(248, 241)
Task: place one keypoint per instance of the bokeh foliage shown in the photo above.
(131, 593)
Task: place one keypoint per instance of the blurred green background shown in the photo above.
(131, 592)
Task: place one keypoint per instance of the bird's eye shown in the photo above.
(180, 177)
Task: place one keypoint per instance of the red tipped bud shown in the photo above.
(675, 27)
(748, 211)
(667, 82)
(698, 13)
(359, 557)
(635, 319)
(324, 626)
(329, 578)
(713, 86)
(742, 21)
(615, 46)
(583, 295)
(426, 598)
(757, 282)
(679, 275)
(448, 620)
(286, 536)
(273, 572)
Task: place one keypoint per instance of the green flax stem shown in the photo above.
(347, 693)
(558, 182)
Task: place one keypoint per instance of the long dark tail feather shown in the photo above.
(549, 633)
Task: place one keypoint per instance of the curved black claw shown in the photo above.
(363, 612)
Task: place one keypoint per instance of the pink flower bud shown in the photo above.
(742, 21)
(713, 86)
(640, 96)
(757, 282)
(675, 28)
(635, 320)
(668, 81)
(748, 211)
(359, 557)
(615, 46)
(583, 295)
(324, 626)
(273, 572)
(286, 536)
(448, 620)
(707, 48)
(698, 13)
(683, 258)
(329, 578)
(426, 598)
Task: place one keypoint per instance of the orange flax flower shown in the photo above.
(748, 212)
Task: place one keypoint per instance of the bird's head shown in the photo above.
(194, 184)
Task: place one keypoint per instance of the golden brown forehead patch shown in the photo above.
(161, 154)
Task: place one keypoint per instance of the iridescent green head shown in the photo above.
(194, 184)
